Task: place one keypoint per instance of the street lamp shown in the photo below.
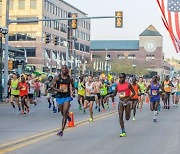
(3, 31)
(107, 59)
(134, 66)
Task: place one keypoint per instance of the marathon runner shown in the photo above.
(103, 93)
(136, 96)
(142, 92)
(23, 87)
(90, 96)
(112, 89)
(14, 92)
(154, 95)
(81, 92)
(167, 84)
(174, 91)
(126, 93)
(64, 86)
(98, 85)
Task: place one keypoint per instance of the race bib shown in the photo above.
(80, 88)
(14, 88)
(154, 92)
(23, 88)
(113, 88)
(88, 91)
(166, 86)
(122, 94)
(63, 88)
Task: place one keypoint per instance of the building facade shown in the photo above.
(30, 37)
(147, 51)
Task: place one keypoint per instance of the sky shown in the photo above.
(137, 16)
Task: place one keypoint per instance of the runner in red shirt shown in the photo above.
(23, 87)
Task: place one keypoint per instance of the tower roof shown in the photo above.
(150, 31)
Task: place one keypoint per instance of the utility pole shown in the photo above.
(6, 51)
(1, 55)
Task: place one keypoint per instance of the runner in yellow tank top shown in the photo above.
(81, 92)
(14, 92)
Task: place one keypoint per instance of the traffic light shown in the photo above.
(47, 38)
(119, 19)
(55, 40)
(74, 21)
(10, 65)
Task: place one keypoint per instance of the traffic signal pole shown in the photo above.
(1, 53)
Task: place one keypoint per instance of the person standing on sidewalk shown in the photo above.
(63, 84)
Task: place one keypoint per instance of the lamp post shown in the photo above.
(3, 31)
(134, 66)
(107, 59)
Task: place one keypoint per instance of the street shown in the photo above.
(36, 132)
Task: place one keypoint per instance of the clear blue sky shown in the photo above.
(138, 15)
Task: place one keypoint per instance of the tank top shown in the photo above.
(103, 90)
(81, 90)
(24, 89)
(123, 89)
(175, 88)
(14, 86)
(135, 87)
(167, 88)
(154, 90)
(142, 87)
(89, 89)
(64, 86)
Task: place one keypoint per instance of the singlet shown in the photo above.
(31, 87)
(142, 87)
(24, 89)
(135, 87)
(103, 90)
(175, 88)
(49, 87)
(14, 86)
(167, 87)
(123, 89)
(64, 86)
(154, 90)
(89, 89)
(112, 88)
(81, 89)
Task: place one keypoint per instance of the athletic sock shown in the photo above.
(155, 113)
(123, 130)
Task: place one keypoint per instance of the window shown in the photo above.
(96, 56)
(150, 57)
(33, 4)
(31, 52)
(22, 37)
(11, 4)
(131, 56)
(121, 56)
(21, 4)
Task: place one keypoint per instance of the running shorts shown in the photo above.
(61, 101)
(90, 98)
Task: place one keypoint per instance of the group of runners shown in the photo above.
(60, 91)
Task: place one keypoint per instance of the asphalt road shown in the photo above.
(99, 137)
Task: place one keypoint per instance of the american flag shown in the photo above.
(171, 18)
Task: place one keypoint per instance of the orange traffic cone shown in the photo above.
(147, 99)
(71, 123)
(113, 104)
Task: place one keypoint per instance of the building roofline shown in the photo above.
(73, 7)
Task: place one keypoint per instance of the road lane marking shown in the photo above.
(17, 144)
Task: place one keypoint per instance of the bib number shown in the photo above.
(63, 88)
(122, 94)
(154, 92)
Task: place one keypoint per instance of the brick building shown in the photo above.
(147, 51)
(29, 37)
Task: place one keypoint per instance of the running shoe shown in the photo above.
(80, 107)
(91, 120)
(28, 110)
(69, 118)
(84, 111)
(107, 106)
(55, 110)
(155, 120)
(96, 107)
(134, 119)
(122, 134)
(99, 109)
(60, 133)
(168, 107)
(140, 109)
(58, 109)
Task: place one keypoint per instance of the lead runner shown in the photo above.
(64, 86)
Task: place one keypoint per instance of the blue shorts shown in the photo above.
(61, 101)
(155, 99)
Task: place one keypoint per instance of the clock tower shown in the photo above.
(150, 48)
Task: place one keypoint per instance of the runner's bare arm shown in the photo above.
(54, 83)
(72, 84)
(132, 90)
